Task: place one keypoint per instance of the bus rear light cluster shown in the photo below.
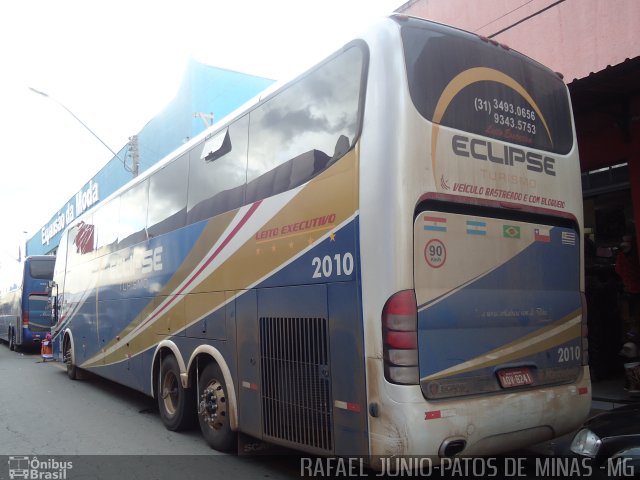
(25, 319)
(400, 338)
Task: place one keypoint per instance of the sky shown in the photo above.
(115, 65)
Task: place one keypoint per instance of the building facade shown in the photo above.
(206, 94)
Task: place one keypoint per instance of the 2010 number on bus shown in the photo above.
(327, 266)
(568, 354)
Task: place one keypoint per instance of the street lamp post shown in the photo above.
(79, 121)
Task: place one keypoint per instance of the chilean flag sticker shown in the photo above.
(542, 234)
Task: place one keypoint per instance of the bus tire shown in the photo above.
(72, 369)
(12, 340)
(176, 404)
(213, 411)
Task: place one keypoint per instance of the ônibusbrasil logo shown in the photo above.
(36, 469)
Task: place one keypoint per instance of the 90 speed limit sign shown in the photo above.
(435, 253)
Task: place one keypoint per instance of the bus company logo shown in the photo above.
(479, 149)
(35, 469)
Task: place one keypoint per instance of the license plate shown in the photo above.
(515, 377)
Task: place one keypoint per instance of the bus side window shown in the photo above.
(106, 221)
(133, 215)
(302, 130)
(217, 176)
(168, 197)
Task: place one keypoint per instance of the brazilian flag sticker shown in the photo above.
(510, 231)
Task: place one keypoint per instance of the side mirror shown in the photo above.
(52, 291)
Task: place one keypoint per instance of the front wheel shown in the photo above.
(213, 410)
(176, 404)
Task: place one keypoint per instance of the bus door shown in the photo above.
(499, 303)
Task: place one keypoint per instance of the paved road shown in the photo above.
(106, 430)
(111, 432)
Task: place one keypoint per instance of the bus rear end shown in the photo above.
(36, 312)
(499, 322)
(483, 339)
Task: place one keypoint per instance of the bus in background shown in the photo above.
(380, 257)
(25, 317)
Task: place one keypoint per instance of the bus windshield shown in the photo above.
(463, 82)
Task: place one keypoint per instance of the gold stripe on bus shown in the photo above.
(251, 262)
(558, 333)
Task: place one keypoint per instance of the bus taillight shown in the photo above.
(400, 338)
(25, 319)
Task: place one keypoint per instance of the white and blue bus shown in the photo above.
(25, 316)
(380, 257)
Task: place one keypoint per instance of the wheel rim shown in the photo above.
(67, 357)
(213, 405)
(170, 393)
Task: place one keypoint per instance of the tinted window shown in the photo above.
(168, 197)
(106, 224)
(61, 259)
(217, 172)
(133, 215)
(42, 269)
(498, 93)
(39, 310)
(301, 130)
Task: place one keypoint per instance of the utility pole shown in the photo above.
(134, 152)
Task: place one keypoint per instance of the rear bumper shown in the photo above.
(488, 425)
(31, 339)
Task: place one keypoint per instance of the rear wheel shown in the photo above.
(213, 410)
(176, 404)
(12, 340)
(72, 370)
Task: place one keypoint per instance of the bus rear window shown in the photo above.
(42, 269)
(39, 310)
(460, 81)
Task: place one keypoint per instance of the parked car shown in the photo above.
(612, 440)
